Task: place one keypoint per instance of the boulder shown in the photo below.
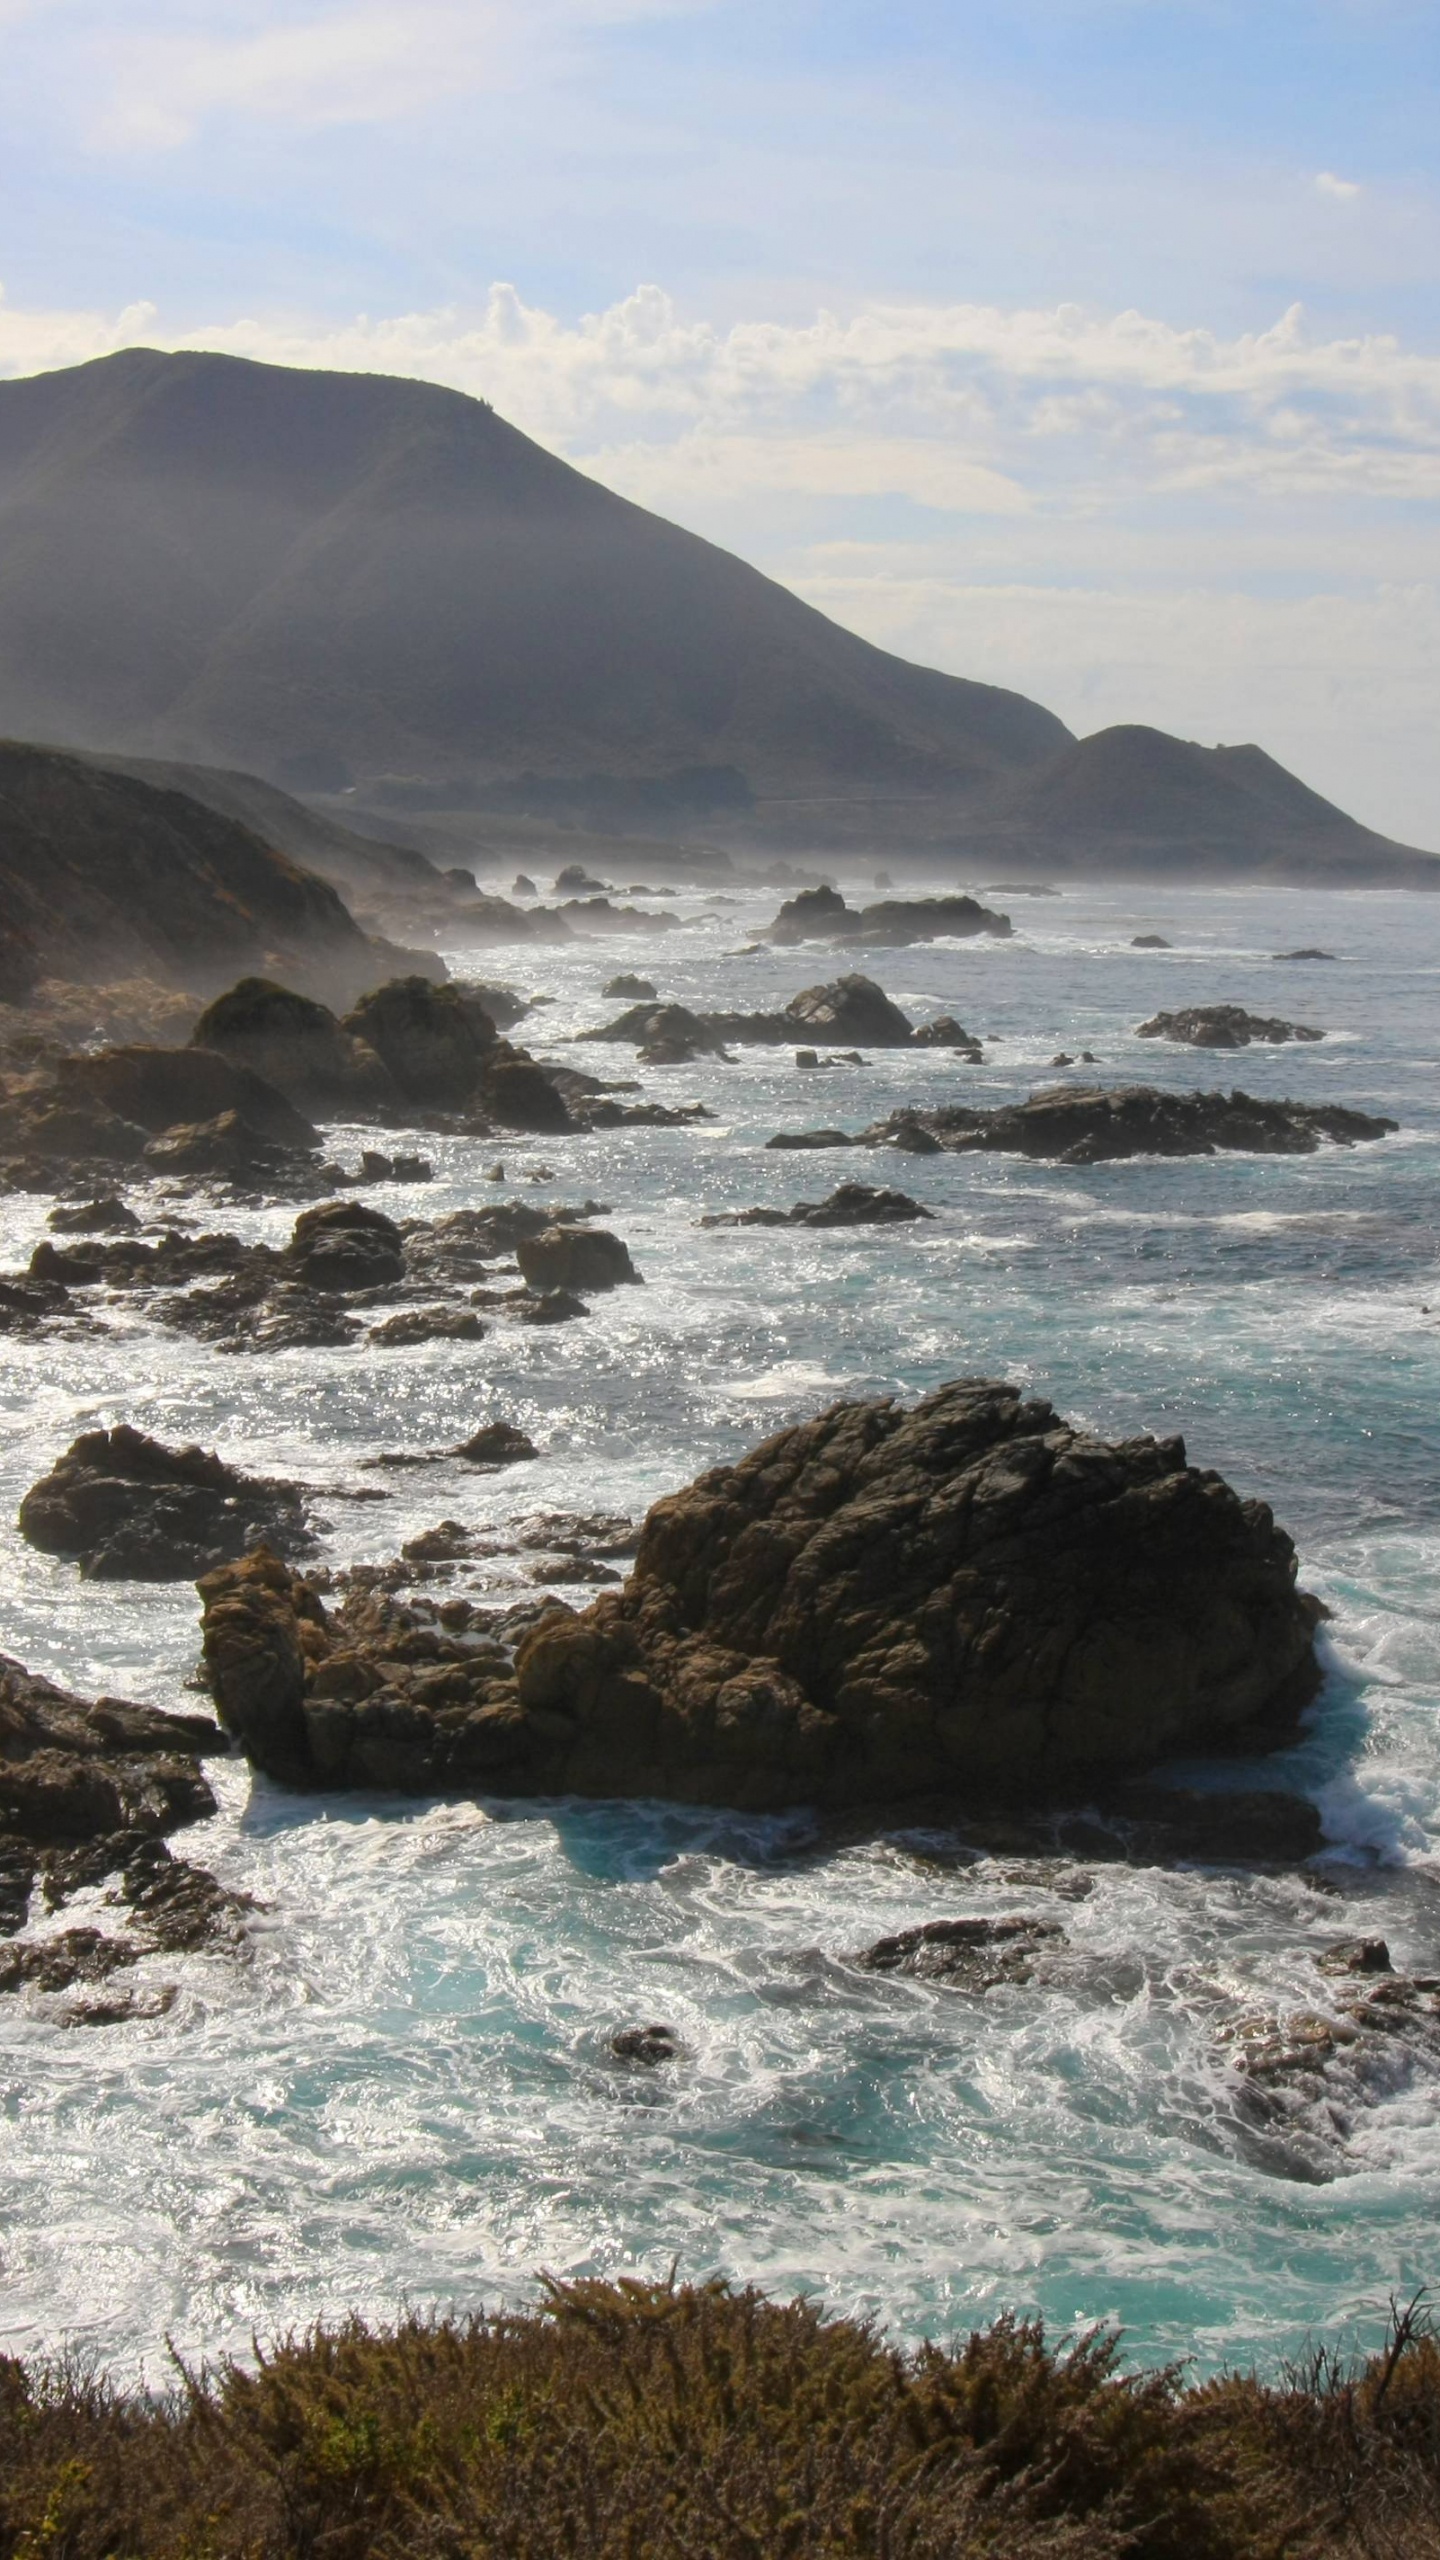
(1095, 1124)
(574, 1258)
(160, 1089)
(946, 1033)
(966, 1601)
(434, 1042)
(496, 1444)
(126, 1508)
(850, 1012)
(1149, 942)
(626, 985)
(1222, 1026)
(518, 1094)
(228, 1148)
(345, 1245)
(885, 1603)
(297, 1045)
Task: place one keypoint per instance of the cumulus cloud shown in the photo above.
(1327, 184)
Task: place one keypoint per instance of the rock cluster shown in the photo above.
(853, 1204)
(850, 1012)
(822, 915)
(1093, 1124)
(1222, 1026)
(878, 1605)
(126, 1508)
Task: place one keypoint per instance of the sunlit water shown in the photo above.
(405, 2094)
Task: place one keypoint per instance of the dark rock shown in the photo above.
(808, 1058)
(1095, 1124)
(427, 1324)
(556, 1306)
(575, 1258)
(1149, 942)
(127, 1508)
(434, 1042)
(496, 1444)
(162, 1089)
(966, 1955)
(847, 1012)
(73, 1955)
(851, 1009)
(106, 1217)
(649, 2046)
(821, 915)
(625, 985)
(345, 1245)
(946, 1033)
(1357, 1955)
(98, 1774)
(1222, 1026)
(296, 1045)
(502, 1004)
(519, 1095)
(1062, 1058)
(854, 1204)
(575, 881)
(1308, 952)
(228, 1148)
(524, 886)
(807, 1138)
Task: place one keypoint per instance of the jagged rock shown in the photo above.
(575, 1258)
(297, 1045)
(1222, 1026)
(822, 915)
(1093, 1124)
(87, 1780)
(854, 1204)
(964, 1598)
(427, 1324)
(107, 1217)
(966, 1955)
(850, 1010)
(946, 1033)
(345, 1245)
(126, 1508)
(625, 985)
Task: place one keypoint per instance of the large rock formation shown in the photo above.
(1090, 1124)
(850, 1011)
(966, 1598)
(1222, 1026)
(297, 1046)
(125, 1508)
(822, 915)
(108, 1105)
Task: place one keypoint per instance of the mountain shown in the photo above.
(104, 877)
(332, 579)
(1134, 800)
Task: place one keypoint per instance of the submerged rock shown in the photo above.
(649, 2046)
(1222, 1026)
(881, 1604)
(126, 1508)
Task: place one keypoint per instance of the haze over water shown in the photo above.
(406, 2095)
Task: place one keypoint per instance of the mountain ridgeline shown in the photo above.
(352, 584)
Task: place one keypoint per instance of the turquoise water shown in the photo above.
(405, 2094)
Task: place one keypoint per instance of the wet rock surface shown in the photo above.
(1222, 1026)
(574, 1258)
(126, 1508)
(853, 1204)
(876, 1605)
(1093, 1124)
(965, 1955)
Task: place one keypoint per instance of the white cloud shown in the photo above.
(1345, 189)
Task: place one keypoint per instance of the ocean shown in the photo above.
(404, 2096)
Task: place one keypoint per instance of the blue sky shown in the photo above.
(1092, 346)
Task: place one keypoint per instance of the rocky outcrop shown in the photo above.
(853, 1204)
(961, 1600)
(1222, 1026)
(433, 1042)
(849, 1012)
(946, 1033)
(575, 1258)
(1092, 1124)
(966, 1955)
(107, 1107)
(822, 915)
(627, 985)
(345, 1246)
(125, 1508)
(297, 1046)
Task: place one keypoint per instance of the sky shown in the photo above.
(1086, 346)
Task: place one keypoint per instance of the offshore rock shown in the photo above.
(822, 915)
(967, 1599)
(1094, 1124)
(297, 1045)
(966, 1955)
(854, 1204)
(574, 1258)
(433, 1041)
(1222, 1026)
(344, 1246)
(126, 1508)
(849, 1012)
